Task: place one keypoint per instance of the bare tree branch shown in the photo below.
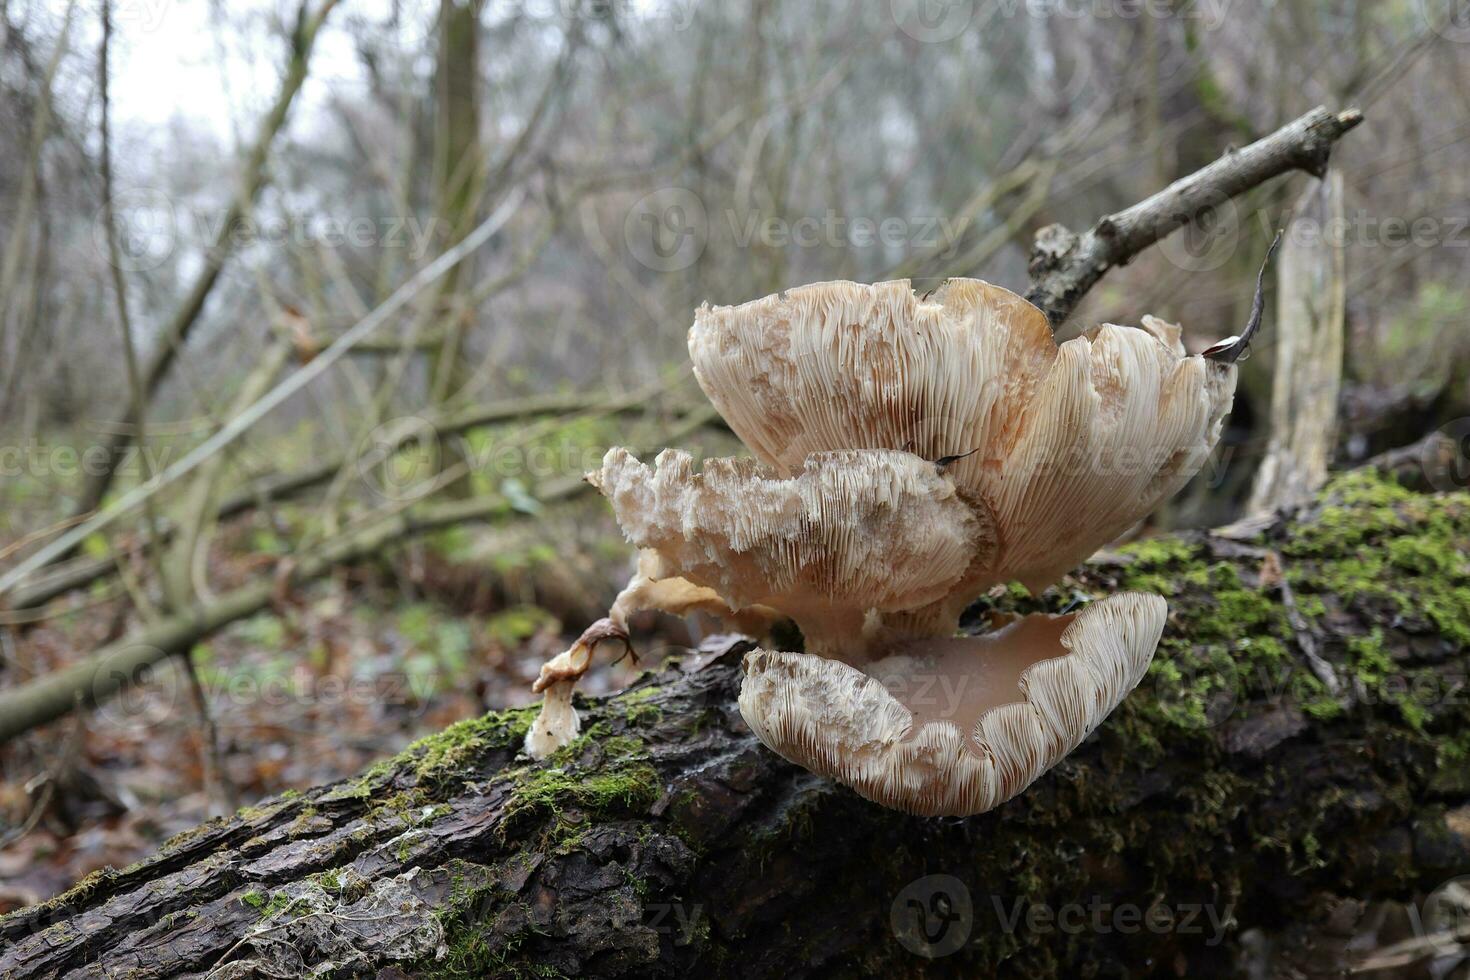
(187, 315)
(98, 677)
(1064, 265)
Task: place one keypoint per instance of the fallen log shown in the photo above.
(1235, 792)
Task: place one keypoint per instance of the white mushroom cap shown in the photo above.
(850, 532)
(1074, 443)
(974, 720)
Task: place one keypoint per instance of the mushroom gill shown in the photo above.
(956, 726)
(910, 454)
(1068, 446)
(850, 535)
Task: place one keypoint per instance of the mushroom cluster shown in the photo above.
(909, 454)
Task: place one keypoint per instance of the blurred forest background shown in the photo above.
(198, 198)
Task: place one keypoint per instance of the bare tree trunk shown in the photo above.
(459, 188)
(1230, 793)
(1311, 306)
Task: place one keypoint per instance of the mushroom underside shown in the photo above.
(954, 726)
(956, 680)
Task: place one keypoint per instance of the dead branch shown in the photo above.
(1064, 265)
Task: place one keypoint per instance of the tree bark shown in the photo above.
(1231, 792)
(1311, 313)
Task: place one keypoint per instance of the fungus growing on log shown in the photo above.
(911, 453)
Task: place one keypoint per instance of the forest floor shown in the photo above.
(339, 673)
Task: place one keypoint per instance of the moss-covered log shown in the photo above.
(1301, 740)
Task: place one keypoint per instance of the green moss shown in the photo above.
(77, 894)
(635, 708)
(445, 754)
(1158, 565)
(1380, 543)
(1160, 551)
(183, 837)
(263, 811)
(269, 906)
(474, 947)
(623, 788)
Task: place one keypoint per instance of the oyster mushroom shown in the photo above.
(1067, 447)
(910, 454)
(954, 726)
(851, 536)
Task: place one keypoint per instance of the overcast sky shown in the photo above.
(214, 65)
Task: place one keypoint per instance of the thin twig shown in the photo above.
(246, 419)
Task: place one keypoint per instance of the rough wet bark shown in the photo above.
(1233, 791)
